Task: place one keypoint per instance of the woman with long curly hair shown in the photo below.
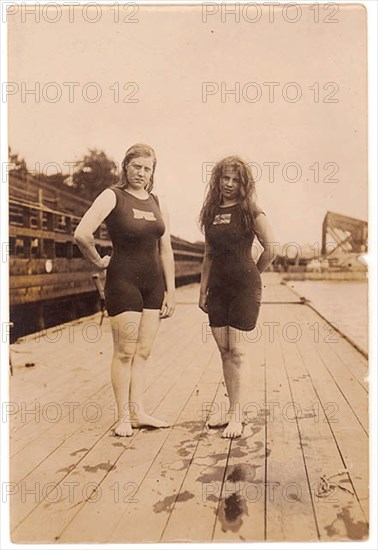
(230, 281)
(139, 289)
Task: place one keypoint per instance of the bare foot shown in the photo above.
(145, 420)
(123, 428)
(233, 429)
(218, 420)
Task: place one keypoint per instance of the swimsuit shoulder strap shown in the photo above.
(115, 190)
(155, 199)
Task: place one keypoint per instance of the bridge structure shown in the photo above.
(343, 234)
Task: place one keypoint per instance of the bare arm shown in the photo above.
(90, 222)
(168, 264)
(265, 236)
(205, 273)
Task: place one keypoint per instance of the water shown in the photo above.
(344, 303)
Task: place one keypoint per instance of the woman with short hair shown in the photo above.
(139, 288)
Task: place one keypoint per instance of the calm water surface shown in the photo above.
(344, 303)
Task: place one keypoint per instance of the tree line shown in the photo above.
(90, 176)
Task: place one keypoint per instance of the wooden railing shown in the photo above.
(36, 235)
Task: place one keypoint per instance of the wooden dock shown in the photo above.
(74, 481)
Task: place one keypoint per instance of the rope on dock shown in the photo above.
(327, 486)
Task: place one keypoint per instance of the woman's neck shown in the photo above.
(138, 193)
(228, 202)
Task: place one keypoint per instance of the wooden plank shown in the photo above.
(338, 515)
(289, 508)
(35, 456)
(55, 355)
(67, 278)
(274, 291)
(53, 415)
(158, 472)
(48, 466)
(352, 359)
(192, 507)
(241, 510)
(186, 471)
(66, 389)
(49, 355)
(54, 394)
(61, 513)
(72, 383)
(348, 385)
(23, 266)
(53, 454)
(39, 440)
(62, 391)
(342, 421)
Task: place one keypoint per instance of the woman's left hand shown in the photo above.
(169, 304)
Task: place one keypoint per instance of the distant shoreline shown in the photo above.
(326, 276)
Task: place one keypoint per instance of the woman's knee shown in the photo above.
(225, 353)
(143, 351)
(238, 355)
(124, 355)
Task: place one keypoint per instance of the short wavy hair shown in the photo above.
(135, 151)
(247, 196)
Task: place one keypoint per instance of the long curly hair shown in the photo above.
(135, 151)
(247, 193)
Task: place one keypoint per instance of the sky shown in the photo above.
(305, 135)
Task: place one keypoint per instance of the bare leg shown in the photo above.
(221, 336)
(238, 385)
(125, 328)
(148, 329)
(234, 355)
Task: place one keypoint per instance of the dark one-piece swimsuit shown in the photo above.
(134, 279)
(234, 290)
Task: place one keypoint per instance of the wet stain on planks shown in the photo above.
(167, 503)
(355, 530)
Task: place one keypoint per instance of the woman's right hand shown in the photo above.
(104, 262)
(203, 302)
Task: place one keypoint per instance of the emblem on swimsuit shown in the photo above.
(144, 215)
(221, 219)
